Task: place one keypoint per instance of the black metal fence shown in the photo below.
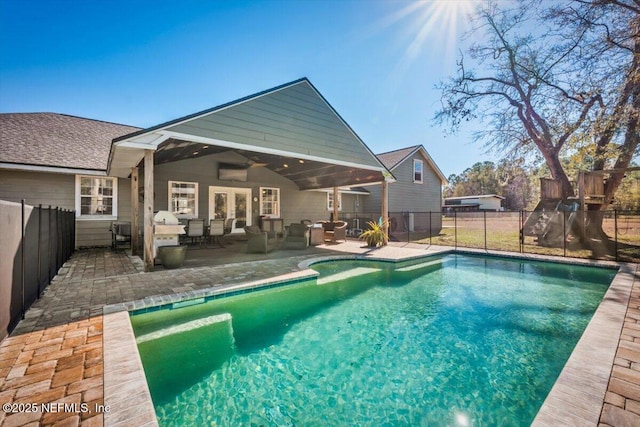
(35, 243)
(608, 235)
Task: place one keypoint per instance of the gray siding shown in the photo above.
(294, 204)
(38, 188)
(294, 119)
(92, 233)
(58, 190)
(407, 196)
(373, 202)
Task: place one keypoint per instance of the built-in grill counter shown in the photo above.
(166, 230)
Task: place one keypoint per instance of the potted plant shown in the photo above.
(172, 256)
(375, 235)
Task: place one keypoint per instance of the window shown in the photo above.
(183, 199)
(270, 202)
(330, 201)
(96, 197)
(417, 171)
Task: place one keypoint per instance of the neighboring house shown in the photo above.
(251, 158)
(484, 202)
(416, 190)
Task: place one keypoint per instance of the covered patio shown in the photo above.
(283, 153)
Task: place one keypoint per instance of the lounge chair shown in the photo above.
(297, 235)
(258, 240)
(273, 226)
(334, 231)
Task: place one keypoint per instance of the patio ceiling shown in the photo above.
(307, 174)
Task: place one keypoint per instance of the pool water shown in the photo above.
(456, 340)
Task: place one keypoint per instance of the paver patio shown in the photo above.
(55, 355)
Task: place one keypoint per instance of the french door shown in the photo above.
(230, 202)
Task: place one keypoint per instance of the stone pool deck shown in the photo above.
(56, 354)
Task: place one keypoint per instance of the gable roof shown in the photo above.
(395, 158)
(391, 159)
(290, 121)
(57, 140)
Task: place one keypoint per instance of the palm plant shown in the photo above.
(375, 234)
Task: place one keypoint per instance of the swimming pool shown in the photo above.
(448, 340)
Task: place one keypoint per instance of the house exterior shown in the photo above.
(479, 203)
(416, 191)
(281, 153)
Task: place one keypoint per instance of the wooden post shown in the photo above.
(134, 211)
(335, 203)
(583, 206)
(581, 190)
(385, 210)
(148, 210)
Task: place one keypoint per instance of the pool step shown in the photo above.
(185, 327)
(188, 303)
(421, 265)
(354, 272)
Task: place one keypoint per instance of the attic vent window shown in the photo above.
(417, 171)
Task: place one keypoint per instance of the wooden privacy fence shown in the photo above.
(34, 243)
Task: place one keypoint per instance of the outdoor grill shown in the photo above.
(166, 230)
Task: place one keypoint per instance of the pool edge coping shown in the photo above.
(119, 339)
(126, 392)
(588, 370)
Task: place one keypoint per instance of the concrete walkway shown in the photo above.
(55, 355)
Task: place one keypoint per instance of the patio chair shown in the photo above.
(258, 240)
(195, 230)
(335, 230)
(216, 231)
(120, 234)
(297, 235)
(229, 224)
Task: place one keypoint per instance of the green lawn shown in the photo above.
(502, 234)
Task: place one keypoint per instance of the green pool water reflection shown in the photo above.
(456, 340)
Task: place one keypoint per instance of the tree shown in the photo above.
(508, 179)
(627, 197)
(515, 183)
(478, 179)
(553, 80)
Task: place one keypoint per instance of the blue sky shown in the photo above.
(145, 62)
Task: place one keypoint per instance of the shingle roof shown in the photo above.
(392, 158)
(58, 140)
